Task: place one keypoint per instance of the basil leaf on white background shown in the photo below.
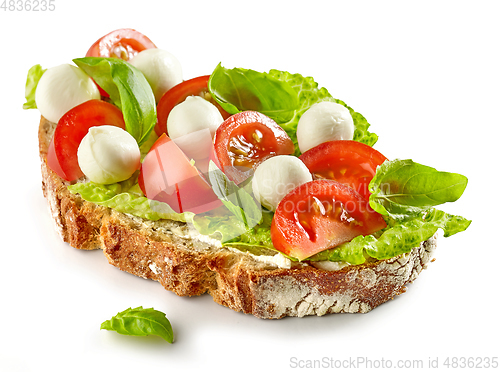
(140, 322)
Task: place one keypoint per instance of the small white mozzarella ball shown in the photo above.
(323, 122)
(161, 69)
(276, 177)
(192, 115)
(61, 88)
(108, 154)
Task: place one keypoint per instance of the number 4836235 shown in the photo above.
(28, 5)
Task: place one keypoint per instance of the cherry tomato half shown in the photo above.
(177, 94)
(72, 127)
(320, 215)
(124, 44)
(349, 162)
(167, 176)
(245, 140)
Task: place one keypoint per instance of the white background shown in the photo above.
(426, 76)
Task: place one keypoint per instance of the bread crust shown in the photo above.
(167, 252)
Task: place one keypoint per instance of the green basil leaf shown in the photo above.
(240, 89)
(34, 75)
(236, 199)
(402, 188)
(140, 322)
(128, 89)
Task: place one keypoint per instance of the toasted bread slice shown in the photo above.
(189, 264)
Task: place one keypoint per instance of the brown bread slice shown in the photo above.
(188, 265)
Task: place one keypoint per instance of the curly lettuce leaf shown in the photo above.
(309, 94)
(233, 233)
(403, 237)
(259, 235)
(34, 75)
(398, 239)
(352, 252)
(231, 229)
(223, 228)
(126, 197)
(240, 89)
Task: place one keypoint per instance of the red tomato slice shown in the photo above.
(245, 140)
(167, 175)
(349, 162)
(177, 94)
(72, 127)
(124, 44)
(319, 215)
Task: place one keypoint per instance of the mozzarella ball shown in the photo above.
(276, 177)
(61, 88)
(323, 122)
(192, 115)
(161, 69)
(108, 154)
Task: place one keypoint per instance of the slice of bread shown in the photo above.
(190, 264)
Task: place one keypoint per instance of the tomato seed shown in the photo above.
(241, 162)
(257, 136)
(238, 151)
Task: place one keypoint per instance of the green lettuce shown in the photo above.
(279, 94)
(34, 75)
(223, 227)
(127, 197)
(233, 233)
(309, 94)
(258, 235)
(399, 239)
